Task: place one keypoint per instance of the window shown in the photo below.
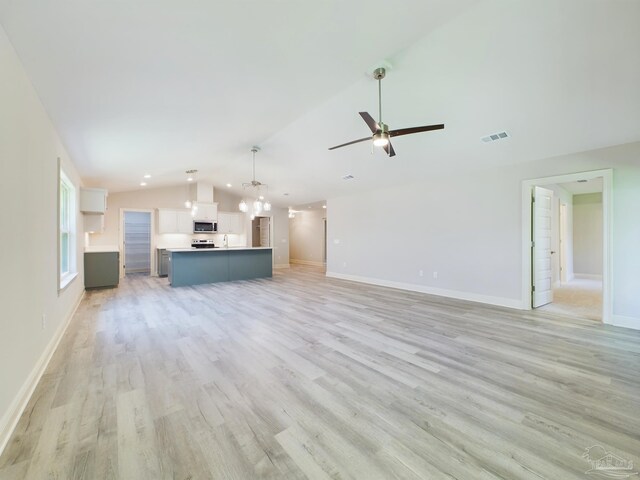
(67, 217)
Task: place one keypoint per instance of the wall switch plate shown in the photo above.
(344, 264)
(435, 275)
(420, 273)
(44, 321)
(336, 241)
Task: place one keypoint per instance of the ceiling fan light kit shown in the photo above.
(381, 135)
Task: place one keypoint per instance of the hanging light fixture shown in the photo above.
(259, 205)
(190, 177)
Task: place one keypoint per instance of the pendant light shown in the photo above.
(259, 205)
(190, 178)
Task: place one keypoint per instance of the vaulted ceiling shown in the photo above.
(161, 87)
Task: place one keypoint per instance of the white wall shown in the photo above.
(468, 229)
(153, 198)
(29, 148)
(306, 237)
(280, 239)
(587, 234)
(174, 197)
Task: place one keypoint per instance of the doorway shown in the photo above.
(137, 243)
(324, 241)
(261, 232)
(566, 241)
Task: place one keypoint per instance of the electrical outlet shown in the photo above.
(344, 264)
(44, 320)
(420, 273)
(435, 275)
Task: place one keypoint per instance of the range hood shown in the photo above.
(201, 193)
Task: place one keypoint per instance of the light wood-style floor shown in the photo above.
(301, 376)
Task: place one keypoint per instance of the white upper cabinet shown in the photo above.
(206, 211)
(93, 200)
(167, 221)
(184, 221)
(229, 222)
(93, 223)
(174, 221)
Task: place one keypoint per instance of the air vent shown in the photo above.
(495, 136)
(582, 181)
(348, 177)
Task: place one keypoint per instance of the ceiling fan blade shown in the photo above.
(389, 149)
(350, 143)
(373, 125)
(409, 131)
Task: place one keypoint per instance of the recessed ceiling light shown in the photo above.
(324, 206)
(146, 175)
(143, 184)
(189, 179)
(229, 185)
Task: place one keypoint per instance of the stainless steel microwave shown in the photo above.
(203, 226)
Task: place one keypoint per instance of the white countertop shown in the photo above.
(101, 249)
(221, 249)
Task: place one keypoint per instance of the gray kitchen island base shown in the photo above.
(197, 266)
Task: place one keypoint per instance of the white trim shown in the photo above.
(607, 217)
(282, 265)
(10, 419)
(441, 292)
(586, 276)
(72, 229)
(66, 280)
(626, 322)
(306, 262)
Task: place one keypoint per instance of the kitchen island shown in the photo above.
(193, 266)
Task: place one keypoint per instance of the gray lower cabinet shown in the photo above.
(101, 269)
(163, 262)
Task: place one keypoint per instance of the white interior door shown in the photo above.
(561, 251)
(264, 232)
(541, 246)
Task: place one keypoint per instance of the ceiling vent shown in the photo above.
(495, 136)
(348, 177)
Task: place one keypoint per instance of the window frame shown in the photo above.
(67, 214)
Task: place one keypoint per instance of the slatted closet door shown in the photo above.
(137, 242)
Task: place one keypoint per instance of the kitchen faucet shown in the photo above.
(225, 240)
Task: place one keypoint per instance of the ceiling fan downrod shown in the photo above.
(379, 74)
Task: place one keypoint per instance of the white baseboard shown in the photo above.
(12, 416)
(307, 262)
(626, 322)
(586, 276)
(282, 265)
(441, 292)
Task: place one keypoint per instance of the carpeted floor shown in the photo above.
(578, 298)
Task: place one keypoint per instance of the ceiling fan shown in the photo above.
(381, 134)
